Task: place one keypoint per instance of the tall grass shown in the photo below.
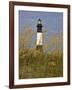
(36, 64)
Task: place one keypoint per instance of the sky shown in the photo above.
(51, 21)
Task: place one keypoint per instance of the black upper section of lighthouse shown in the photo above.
(39, 26)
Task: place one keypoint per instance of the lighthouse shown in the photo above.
(39, 42)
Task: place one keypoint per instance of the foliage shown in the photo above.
(25, 37)
(36, 64)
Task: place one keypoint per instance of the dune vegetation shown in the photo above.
(40, 64)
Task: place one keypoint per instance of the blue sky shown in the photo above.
(52, 21)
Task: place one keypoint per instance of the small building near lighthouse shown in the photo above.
(39, 41)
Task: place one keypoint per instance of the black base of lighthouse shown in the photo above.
(39, 47)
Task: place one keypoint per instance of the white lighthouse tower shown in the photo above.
(39, 42)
